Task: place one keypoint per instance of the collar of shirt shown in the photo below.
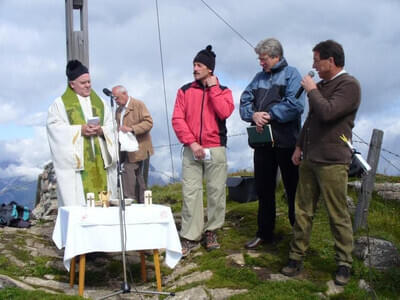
(343, 71)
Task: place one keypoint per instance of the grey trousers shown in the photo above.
(215, 173)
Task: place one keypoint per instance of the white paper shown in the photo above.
(128, 142)
(207, 154)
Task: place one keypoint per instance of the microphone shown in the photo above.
(301, 89)
(108, 93)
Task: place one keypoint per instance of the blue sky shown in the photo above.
(124, 49)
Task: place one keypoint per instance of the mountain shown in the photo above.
(23, 191)
(19, 190)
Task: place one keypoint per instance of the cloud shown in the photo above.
(8, 112)
(124, 49)
(25, 157)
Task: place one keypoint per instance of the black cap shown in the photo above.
(206, 57)
(75, 69)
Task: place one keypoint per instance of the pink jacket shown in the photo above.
(200, 113)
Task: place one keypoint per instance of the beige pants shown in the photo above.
(215, 173)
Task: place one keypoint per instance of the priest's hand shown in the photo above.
(91, 130)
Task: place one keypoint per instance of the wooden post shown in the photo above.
(367, 186)
(77, 40)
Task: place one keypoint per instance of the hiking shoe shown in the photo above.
(188, 246)
(211, 240)
(293, 268)
(342, 275)
(254, 243)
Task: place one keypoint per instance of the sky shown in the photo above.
(124, 49)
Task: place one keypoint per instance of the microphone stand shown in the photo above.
(125, 287)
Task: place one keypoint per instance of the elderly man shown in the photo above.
(81, 139)
(270, 99)
(133, 117)
(201, 109)
(324, 159)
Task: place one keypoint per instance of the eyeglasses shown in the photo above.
(317, 61)
(265, 58)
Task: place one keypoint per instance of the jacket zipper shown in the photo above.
(201, 114)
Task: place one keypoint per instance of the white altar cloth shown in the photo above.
(95, 229)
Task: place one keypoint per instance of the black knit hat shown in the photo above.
(206, 57)
(75, 69)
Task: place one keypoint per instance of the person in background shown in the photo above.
(81, 139)
(324, 158)
(200, 111)
(132, 116)
(270, 99)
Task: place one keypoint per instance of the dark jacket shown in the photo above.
(333, 108)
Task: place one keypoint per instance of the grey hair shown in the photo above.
(121, 89)
(272, 47)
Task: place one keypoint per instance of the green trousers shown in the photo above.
(215, 173)
(329, 182)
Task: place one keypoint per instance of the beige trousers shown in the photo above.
(215, 173)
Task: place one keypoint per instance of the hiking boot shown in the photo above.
(293, 268)
(188, 246)
(342, 275)
(211, 240)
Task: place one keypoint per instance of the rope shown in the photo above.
(229, 25)
(165, 93)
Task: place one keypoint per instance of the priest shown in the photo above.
(81, 139)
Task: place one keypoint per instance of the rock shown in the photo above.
(198, 293)
(10, 282)
(52, 284)
(362, 284)
(279, 277)
(333, 289)
(178, 271)
(350, 204)
(253, 253)
(194, 277)
(382, 254)
(47, 203)
(220, 294)
(237, 258)
(387, 190)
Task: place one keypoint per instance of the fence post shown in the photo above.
(368, 182)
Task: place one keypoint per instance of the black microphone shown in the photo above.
(301, 89)
(108, 93)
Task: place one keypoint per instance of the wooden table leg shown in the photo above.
(82, 263)
(157, 267)
(143, 266)
(72, 272)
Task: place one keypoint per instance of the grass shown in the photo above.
(19, 294)
(240, 225)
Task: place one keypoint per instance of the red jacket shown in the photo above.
(200, 113)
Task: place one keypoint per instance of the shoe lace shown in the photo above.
(211, 237)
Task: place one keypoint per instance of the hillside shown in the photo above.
(230, 270)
